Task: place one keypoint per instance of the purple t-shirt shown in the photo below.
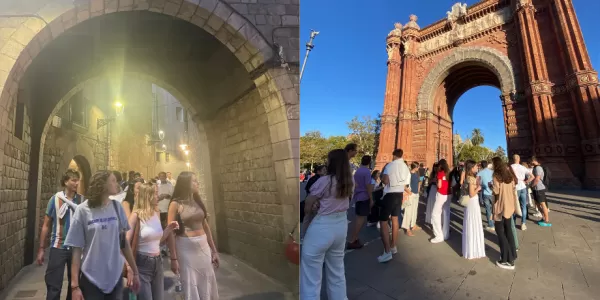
(362, 178)
(324, 189)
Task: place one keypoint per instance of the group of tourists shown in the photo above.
(506, 191)
(113, 240)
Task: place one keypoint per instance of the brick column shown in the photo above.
(408, 101)
(389, 119)
(547, 142)
(582, 83)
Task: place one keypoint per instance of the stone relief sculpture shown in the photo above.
(407, 47)
(412, 23)
(397, 31)
(461, 31)
(458, 11)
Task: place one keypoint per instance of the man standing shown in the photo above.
(352, 150)
(170, 178)
(363, 199)
(61, 208)
(396, 178)
(522, 173)
(165, 191)
(485, 177)
(539, 192)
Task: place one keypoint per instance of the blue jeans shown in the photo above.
(487, 201)
(522, 196)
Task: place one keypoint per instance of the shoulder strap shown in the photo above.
(114, 203)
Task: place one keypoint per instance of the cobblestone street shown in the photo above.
(560, 262)
(236, 281)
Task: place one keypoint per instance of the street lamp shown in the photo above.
(309, 47)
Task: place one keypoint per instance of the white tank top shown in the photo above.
(150, 234)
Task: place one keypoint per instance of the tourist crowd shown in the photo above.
(113, 240)
(390, 198)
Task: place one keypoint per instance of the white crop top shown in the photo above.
(150, 234)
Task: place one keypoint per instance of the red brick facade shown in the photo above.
(533, 51)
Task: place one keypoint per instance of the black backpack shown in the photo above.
(547, 176)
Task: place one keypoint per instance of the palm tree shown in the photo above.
(477, 137)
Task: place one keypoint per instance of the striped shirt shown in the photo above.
(59, 227)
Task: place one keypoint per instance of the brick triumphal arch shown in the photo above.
(531, 50)
(234, 70)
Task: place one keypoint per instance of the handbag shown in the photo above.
(464, 198)
(292, 248)
(518, 211)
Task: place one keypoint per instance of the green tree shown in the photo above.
(312, 146)
(477, 137)
(362, 132)
(501, 153)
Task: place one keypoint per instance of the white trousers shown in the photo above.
(409, 220)
(324, 241)
(440, 217)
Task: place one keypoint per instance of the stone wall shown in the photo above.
(13, 198)
(250, 216)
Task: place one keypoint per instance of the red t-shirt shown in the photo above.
(444, 188)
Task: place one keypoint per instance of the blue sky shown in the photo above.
(346, 71)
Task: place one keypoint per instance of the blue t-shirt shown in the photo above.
(60, 227)
(414, 182)
(486, 178)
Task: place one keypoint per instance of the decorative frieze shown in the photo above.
(540, 87)
(461, 31)
(389, 119)
(582, 79)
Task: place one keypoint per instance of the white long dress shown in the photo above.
(473, 240)
(430, 203)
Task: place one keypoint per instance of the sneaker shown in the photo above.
(394, 250)
(436, 240)
(544, 224)
(372, 224)
(491, 229)
(505, 265)
(385, 257)
(378, 225)
(354, 245)
(523, 227)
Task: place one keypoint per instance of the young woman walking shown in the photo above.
(146, 215)
(504, 183)
(473, 240)
(193, 253)
(431, 192)
(409, 220)
(440, 215)
(97, 236)
(325, 237)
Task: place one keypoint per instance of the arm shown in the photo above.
(171, 216)
(133, 219)
(209, 237)
(129, 258)
(43, 237)
(126, 208)
(462, 177)
(370, 192)
(537, 178)
(75, 268)
(495, 186)
(385, 179)
(308, 204)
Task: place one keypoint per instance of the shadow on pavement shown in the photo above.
(263, 296)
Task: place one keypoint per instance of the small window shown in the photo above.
(19, 120)
(77, 110)
(167, 157)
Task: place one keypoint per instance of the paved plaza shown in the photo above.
(237, 281)
(560, 262)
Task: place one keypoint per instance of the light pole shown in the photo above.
(309, 47)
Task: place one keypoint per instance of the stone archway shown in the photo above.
(536, 56)
(46, 24)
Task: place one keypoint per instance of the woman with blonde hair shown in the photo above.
(144, 221)
(193, 253)
(503, 187)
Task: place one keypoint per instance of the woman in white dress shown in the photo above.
(473, 240)
(431, 193)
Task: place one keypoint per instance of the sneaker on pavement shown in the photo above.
(436, 240)
(544, 224)
(385, 257)
(505, 265)
(523, 227)
(394, 250)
